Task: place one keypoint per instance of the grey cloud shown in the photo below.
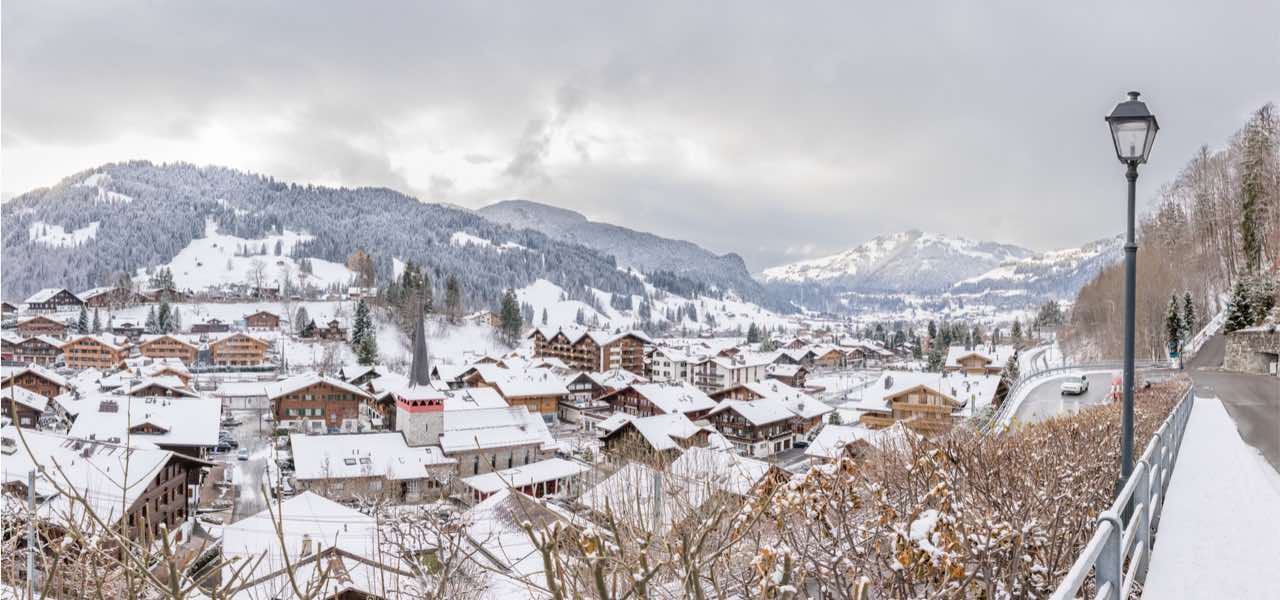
(976, 119)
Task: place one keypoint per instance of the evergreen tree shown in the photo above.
(151, 325)
(936, 358)
(97, 323)
(82, 323)
(933, 330)
(1189, 325)
(453, 299)
(163, 316)
(1016, 332)
(1010, 374)
(175, 321)
(301, 319)
(1257, 160)
(544, 315)
(279, 247)
(362, 327)
(580, 318)
(753, 334)
(367, 349)
(1239, 313)
(510, 317)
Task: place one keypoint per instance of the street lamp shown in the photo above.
(1133, 131)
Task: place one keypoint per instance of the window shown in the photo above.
(349, 461)
(375, 485)
(337, 486)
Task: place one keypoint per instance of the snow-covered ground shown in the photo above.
(212, 260)
(57, 236)
(1219, 536)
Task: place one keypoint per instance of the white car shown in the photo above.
(242, 454)
(1075, 386)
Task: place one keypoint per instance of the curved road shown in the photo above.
(1047, 400)
(1253, 401)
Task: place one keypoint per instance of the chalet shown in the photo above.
(585, 390)
(671, 364)
(22, 406)
(184, 425)
(160, 387)
(41, 325)
(830, 357)
(211, 326)
(53, 299)
(807, 413)
(128, 330)
(168, 346)
(333, 330)
(928, 403)
(491, 439)
(37, 379)
(41, 350)
(756, 428)
(315, 403)
(540, 391)
(543, 478)
(795, 344)
(262, 321)
(719, 372)
(484, 317)
(159, 494)
(158, 367)
(360, 374)
(803, 356)
(988, 360)
(238, 350)
(655, 440)
(348, 467)
(169, 294)
(110, 297)
(729, 473)
(8, 345)
(7, 308)
(649, 399)
(792, 375)
(98, 351)
(590, 350)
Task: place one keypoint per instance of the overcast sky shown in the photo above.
(779, 131)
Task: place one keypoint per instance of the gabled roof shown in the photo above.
(993, 356)
(150, 337)
(24, 397)
(297, 382)
(576, 333)
(681, 397)
(758, 412)
(33, 318)
(831, 441)
(725, 471)
(45, 295)
(660, 431)
(105, 340)
(484, 428)
(386, 454)
(533, 473)
(192, 422)
(39, 371)
(169, 382)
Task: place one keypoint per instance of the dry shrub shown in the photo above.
(964, 515)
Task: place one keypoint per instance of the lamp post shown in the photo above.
(1133, 131)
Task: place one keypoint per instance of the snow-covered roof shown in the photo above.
(45, 295)
(614, 421)
(537, 383)
(799, 403)
(297, 382)
(24, 397)
(757, 412)
(785, 370)
(34, 318)
(169, 382)
(972, 390)
(350, 372)
(995, 356)
(34, 369)
(615, 378)
(534, 473)
(92, 293)
(190, 422)
(661, 431)
(339, 456)
(151, 337)
(473, 398)
(677, 397)
(832, 439)
(495, 527)
(109, 341)
(629, 494)
(95, 469)
(306, 518)
(484, 428)
(725, 471)
(575, 333)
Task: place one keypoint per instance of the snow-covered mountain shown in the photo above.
(911, 262)
(644, 252)
(1058, 273)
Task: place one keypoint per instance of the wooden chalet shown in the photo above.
(41, 325)
(101, 352)
(168, 346)
(53, 299)
(238, 350)
(37, 379)
(262, 321)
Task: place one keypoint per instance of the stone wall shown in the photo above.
(1253, 350)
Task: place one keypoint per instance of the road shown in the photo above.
(1253, 401)
(248, 474)
(1046, 399)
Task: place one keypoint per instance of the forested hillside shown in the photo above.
(125, 216)
(1217, 224)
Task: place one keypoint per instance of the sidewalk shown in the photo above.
(1219, 535)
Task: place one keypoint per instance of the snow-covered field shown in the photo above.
(57, 236)
(212, 260)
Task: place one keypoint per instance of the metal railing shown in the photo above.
(1012, 401)
(1125, 530)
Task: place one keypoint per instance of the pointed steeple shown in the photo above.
(420, 368)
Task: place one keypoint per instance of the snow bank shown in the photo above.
(1218, 536)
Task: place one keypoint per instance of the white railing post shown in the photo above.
(1109, 570)
(1143, 494)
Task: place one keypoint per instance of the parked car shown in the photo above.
(243, 454)
(1075, 386)
(222, 448)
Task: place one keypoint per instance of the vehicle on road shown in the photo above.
(222, 448)
(1075, 386)
(243, 454)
